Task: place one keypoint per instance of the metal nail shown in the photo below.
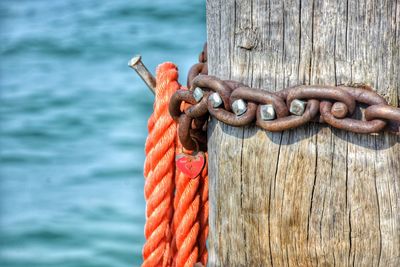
(239, 107)
(215, 99)
(297, 107)
(267, 112)
(137, 64)
(198, 94)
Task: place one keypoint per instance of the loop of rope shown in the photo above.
(176, 226)
(159, 171)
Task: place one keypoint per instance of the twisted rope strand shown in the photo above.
(159, 171)
(186, 222)
(176, 205)
(203, 215)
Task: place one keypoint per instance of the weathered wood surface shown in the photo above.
(313, 196)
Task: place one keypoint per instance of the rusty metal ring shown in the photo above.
(233, 84)
(382, 111)
(231, 118)
(176, 100)
(194, 71)
(261, 96)
(357, 126)
(321, 92)
(204, 70)
(198, 109)
(348, 124)
(184, 127)
(361, 94)
(203, 54)
(214, 84)
(289, 122)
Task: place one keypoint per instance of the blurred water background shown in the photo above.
(73, 124)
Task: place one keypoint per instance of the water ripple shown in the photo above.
(74, 122)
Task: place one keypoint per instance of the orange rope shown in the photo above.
(203, 216)
(159, 171)
(186, 224)
(176, 218)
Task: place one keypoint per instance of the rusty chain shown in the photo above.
(239, 105)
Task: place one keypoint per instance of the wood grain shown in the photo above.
(312, 196)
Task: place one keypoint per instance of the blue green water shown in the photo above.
(73, 124)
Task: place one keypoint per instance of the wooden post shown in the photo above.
(312, 196)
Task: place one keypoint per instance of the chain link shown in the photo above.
(289, 108)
